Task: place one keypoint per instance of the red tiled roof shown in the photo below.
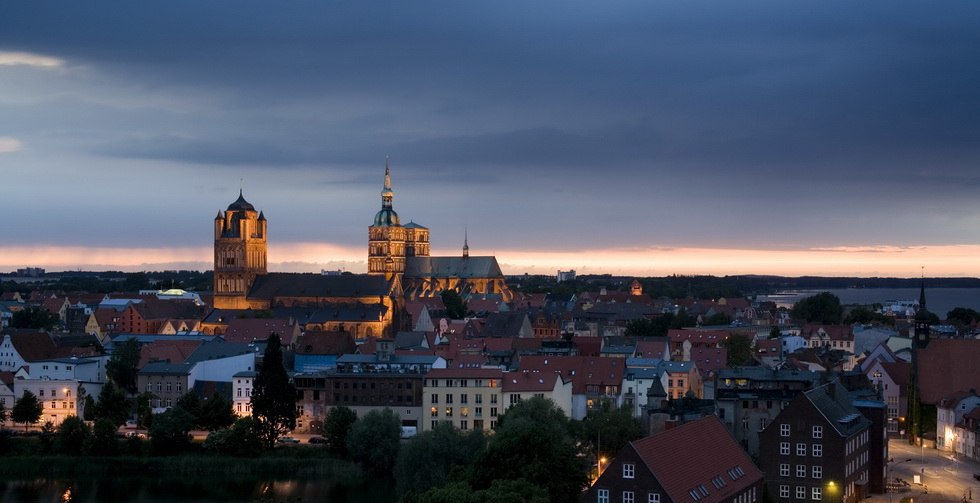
(246, 330)
(524, 382)
(33, 346)
(834, 332)
(947, 366)
(501, 344)
(467, 361)
(768, 347)
(464, 373)
(588, 346)
(175, 351)
(583, 371)
(524, 343)
(713, 337)
(651, 349)
(316, 342)
(686, 466)
(898, 371)
(709, 359)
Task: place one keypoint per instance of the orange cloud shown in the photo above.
(944, 260)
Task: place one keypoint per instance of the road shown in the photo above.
(943, 477)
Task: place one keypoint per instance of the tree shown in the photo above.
(192, 404)
(962, 316)
(374, 440)
(122, 365)
(823, 308)
(533, 442)
(273, 396)
(242, 439)
(863, 316)
(112, 404)
(641, 327)
(455, 307)
(216, 413)
(427, 460)
(170, 432)
(609, 428)
(35, 317)
(739, 348)
(73, 436)
(103, 442)
(3, 413)
(336, 427)
(27, 409)
(775, 332)
(718, 319)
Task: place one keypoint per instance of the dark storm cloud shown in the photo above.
(819, 107)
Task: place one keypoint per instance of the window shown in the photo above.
(603, 496)
(434, 412)
(478, 398)
(464, 411)
(801, 471)
(784, 469)
(784, 492)
(40, 392)
(493, 412)
(801, 449)
(479, 411)
(784, 430)
(784, 448)
(449, 398)
(801, 492)
(463, 398)
(628, 470)
(818, 450)
(493, 398)
(180, 386)
(515, 399)
(170, 386)
(449, 412)
(816, 494)
(818, 432)
(435, 398)
(434, 423)
(627, 496)
(817, 471)
(463, 425)
(762, 423)
(653, 498)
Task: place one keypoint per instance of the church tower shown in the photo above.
(386, 238)
(239, 253)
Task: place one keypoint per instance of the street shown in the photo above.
(942, 477)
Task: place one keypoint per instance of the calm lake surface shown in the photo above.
(150, 490)
(938, 300)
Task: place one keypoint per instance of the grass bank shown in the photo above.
(274, 464)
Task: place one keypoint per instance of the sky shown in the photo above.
(625, 137)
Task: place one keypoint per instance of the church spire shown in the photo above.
(387, 195)
(922, 291)
(466, 244)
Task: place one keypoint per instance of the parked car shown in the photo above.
(317, 440)
(287, 440)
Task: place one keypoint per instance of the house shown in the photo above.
(212, 361)
(817, 448)
(834, 337)
(750, 398)
(950, 420)
(891, 379)
(467, 398)
(594, 379)
(519, 386)
(60, 398)
(674, 467)
(511, 324)
(317, 350)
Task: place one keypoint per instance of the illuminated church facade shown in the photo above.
(401, 253)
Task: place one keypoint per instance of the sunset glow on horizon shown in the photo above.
(872, 261)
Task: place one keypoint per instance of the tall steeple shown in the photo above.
(466, 243)
(922, 291)
(387, 194)
(923, 318)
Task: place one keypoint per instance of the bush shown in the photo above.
(73, 436)
(103, 441)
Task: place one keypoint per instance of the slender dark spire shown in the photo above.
(387, 194)
(922, 291)
(466, 243)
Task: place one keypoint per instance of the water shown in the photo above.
(187, 490)
(938, 300)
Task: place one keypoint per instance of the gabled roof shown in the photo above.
(688, 467)
(272, 285)
(834, 332)
(154, 309)
(583, 371)
(898, 371)
(164, 368)
(33, 345)
(504, 324)
(172, 351)
(325, 343)
(651, 348)
(215, 350)
(527, 382)
(245, 330)
(712, 337)
(833, 401)
(452, 267)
